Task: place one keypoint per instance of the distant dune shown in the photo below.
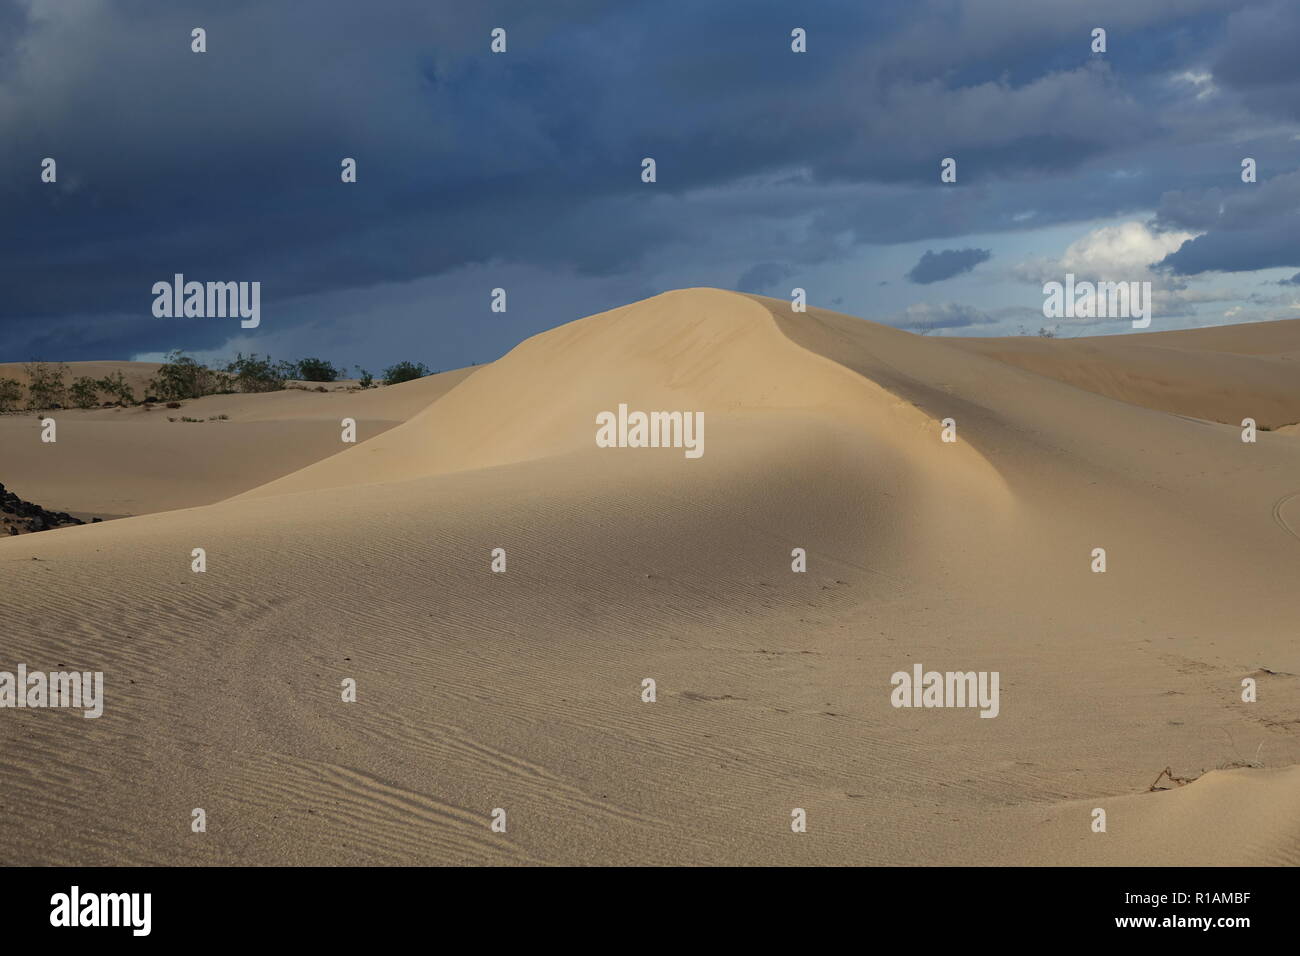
(137, 374)
(1196, 372)
(132, 461)
(523, 690)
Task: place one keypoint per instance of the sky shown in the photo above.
(523, 169)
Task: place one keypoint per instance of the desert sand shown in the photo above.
(522, 690)
(116, 462)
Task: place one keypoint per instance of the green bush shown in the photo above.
(45, 387)
(11, 390)
(84, 392)
(251, 373)
(182, 377)
(316, 370)
(404, 372)
(367, 380)
(115, 386)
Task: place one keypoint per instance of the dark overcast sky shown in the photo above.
(522, 170)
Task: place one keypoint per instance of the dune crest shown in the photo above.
(704, 349)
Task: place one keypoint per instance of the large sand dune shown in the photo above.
(522, 690)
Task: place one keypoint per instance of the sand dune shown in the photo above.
(522, 690)
(111, 462)
(136, 374)
(1196, 372)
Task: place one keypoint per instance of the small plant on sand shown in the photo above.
(45, 388)
(367, 380)
(11, 392)
(84, 392)
(182, 377)
(115, 387)
(316, 370)
(254, 373)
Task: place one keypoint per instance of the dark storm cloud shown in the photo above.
(1259, 57)
(1250, 226)
(763, 277)
(937, 266)
(225, 165)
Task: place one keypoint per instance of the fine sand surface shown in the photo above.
(522, 690)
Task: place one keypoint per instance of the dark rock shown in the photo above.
(22, 516)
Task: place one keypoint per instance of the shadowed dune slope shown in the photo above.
(523, 689)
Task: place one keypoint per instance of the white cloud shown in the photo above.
(1119, 251)
(1123, 252)
(1202, 82)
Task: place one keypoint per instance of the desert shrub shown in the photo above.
(182, 377)
(367, 380)
(84, 392)
(404, 372)
(316, 370)
(115, 386)
(173, 404)
(11, 390)
(45, 387)
(251, 373)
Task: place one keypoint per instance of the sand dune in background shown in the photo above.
(522, 690)
(131, 461)
(136, 374)
(1220, 374)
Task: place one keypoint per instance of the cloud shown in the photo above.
(763, 277)
(927, 317)
(1258, 57)
(1123, 252)
(225, 165)
(937, 266)
(1251, 227)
